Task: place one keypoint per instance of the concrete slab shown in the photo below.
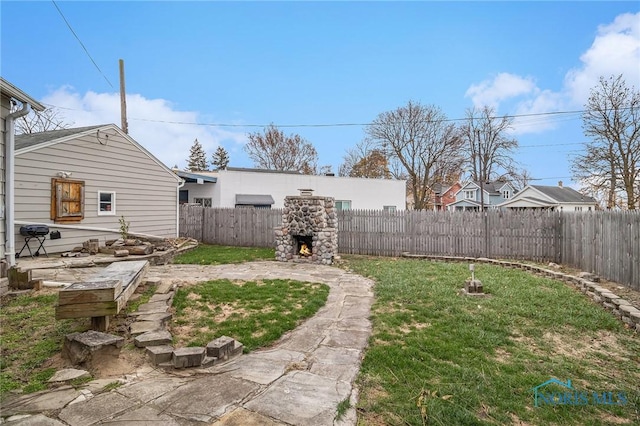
(148, 390)
(206, 398)
(242, 417)
(97, 409)
(140, 327)
(188, 357)
(159, 354)
(354, 339)
(68, 374)
(166, 297)
(152, 306)
(336, 363)
(162, 317)
(35, 420)
(144, 416)
(301, 398)
(40, 401)
(256, 369)
(153, 338)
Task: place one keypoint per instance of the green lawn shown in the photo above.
(255, 313)
(437, 357)
(206, 254)
(29, 336)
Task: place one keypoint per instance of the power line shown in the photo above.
(193, 123)
(81, 43)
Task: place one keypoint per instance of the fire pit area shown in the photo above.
(309, 229)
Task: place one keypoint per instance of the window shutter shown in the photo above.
(67, 200)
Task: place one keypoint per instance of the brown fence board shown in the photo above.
(606, 243)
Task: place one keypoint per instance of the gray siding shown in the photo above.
(146, 192)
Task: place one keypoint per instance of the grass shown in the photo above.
(215, 255)
(134, 303)
(28, 338)
(436, 357)
(255, 313)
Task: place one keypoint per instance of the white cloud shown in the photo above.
(153, 123)
(615, 50)
(503, 86)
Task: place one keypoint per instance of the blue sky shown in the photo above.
(319, 63)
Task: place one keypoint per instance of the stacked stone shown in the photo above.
(308, 216)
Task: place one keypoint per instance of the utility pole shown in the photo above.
(482, 210)
(123, 100)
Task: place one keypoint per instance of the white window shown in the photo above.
(204, 202)
(506, 194)
(469, 195)
(106, 203)
(343, 205)
(389, 209)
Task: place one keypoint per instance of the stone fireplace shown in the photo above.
(309, 229)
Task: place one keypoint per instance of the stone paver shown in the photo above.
(300, 380)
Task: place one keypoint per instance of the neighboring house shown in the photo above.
(82, 181)
(447, 196)
(240, 187)
(550, 198)
(468, 196)
(9, 93)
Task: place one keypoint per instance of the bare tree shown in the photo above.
(423, 141)
(364, 160)
(488, 148)
(197, 160)
(40, 121)
(610, 163)
(272, 149)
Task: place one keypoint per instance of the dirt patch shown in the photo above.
(610, 419)
(603, 343)
(502, 356)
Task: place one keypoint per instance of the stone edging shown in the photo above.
(149, 332)
(620, 308)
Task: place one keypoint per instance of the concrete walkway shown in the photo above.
(298, 381)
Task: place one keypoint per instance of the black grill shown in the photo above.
(34, 230)
(37, 232)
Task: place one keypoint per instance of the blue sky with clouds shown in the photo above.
(319, 63)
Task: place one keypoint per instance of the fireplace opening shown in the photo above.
(304, 245)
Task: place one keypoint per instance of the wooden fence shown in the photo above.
(606, 243)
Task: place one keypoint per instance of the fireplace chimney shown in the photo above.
(560, 183)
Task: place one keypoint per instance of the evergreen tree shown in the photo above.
(197, 158)
(220, 158)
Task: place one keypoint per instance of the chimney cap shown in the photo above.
(560, 183)
(306, 192)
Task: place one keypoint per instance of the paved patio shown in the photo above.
(300, 380)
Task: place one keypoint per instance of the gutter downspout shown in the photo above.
(180, 185)
(10, 245)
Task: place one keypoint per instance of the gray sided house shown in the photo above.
(540, 197)
(495, 193)
(81, 181)
(9, 94)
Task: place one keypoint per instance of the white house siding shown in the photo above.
(363, 193)
(146, 192)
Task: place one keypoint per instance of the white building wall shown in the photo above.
(146, 192)
(371, 194)
(363, 193)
